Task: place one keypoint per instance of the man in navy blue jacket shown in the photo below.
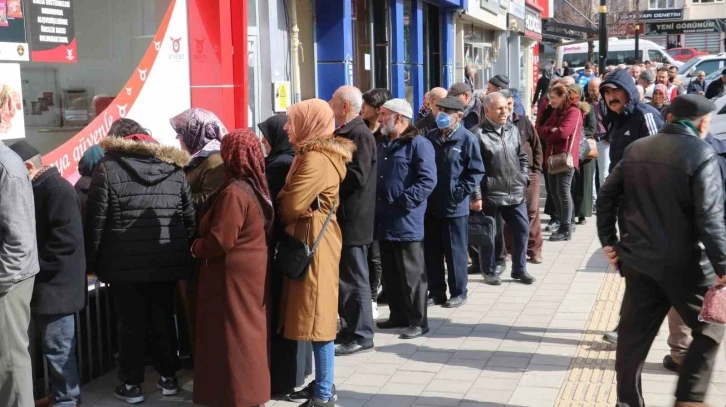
(406, 178)
(459, 168)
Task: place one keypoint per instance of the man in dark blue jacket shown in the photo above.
(459, 168)
(406, 178)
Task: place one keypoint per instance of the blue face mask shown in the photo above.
(443, 120)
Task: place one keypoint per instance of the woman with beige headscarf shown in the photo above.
(310, 304)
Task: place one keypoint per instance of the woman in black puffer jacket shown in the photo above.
(139, 229)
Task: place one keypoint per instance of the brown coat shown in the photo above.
(231, 366)
(310, 305)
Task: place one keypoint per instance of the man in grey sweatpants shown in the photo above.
(18, 267)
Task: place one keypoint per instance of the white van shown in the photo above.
(619, 52)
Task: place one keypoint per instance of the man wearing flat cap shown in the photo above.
(499, 82)
(459, 169)
(60, 285)
(406, 178)
(646, 79)
(472, 106)
(668, 193)
(717, 87)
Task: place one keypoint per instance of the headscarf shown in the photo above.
(197, 129)
(664, 89)
(273, 131)
(90, 159)
(245, 164)
(311, 119)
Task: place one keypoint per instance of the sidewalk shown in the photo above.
(514, 345)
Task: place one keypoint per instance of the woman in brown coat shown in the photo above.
(310, 305)
(231, 360)
(200, 134)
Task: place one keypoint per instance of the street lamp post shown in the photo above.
(603, 54)
(637, 42)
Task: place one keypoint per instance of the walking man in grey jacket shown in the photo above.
(18, 267)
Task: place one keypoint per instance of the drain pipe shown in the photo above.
(295, 45)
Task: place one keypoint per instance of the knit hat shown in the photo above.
(500, 81)
(400, 106)
(24, 150)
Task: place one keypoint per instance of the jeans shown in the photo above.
(603, 163)
(16, 373)
(446, 238)
(518, 222)
(561, 185)
(324, 353)
(59, 348)
(354, 299)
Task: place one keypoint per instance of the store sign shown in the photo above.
(533, 25)
(52, 32)
(13, 42)
(655, 15)
(515, 24)
(516, 8)
(687, 27)
(12, 117)
(491, 5)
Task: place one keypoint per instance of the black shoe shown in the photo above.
(455, 302)
(134, 395)
(670, 364)
(306, 393)
(499, 269)
(391, 324)
(168, 386)
(352, 347)
(561, 234)
(523, 277)
(437, 300)
(413, 332)
(492, 279)
(582, 221)
(552, 225)
(611, 337)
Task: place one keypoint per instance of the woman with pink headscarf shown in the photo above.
(660, 99)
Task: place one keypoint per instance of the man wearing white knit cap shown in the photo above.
(406, 178)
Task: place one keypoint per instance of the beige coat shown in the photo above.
(310, 305)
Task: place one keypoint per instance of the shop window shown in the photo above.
(362, 45)
(407, 44)
(61, 98)
(707, 1)
(432, 46)
(658, 4)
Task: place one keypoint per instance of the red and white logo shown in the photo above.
(122, 110)
(157, 45)
(176, 45)
(69, 54)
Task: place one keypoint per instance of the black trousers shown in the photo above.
(446, 238)
(518, 221)
(145, 309)
(354, 298)
(375, 268)
(405, 278)
(645, 305)
(550, 208)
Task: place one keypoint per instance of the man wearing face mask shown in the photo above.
(459, 169)
(406, 178)
(668, 193)
(504, 188)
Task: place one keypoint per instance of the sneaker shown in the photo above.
(169, 386)
(611, 337)
(316, 402)
(129, 394)
(375, 310)
(353, 347)
(306, 393)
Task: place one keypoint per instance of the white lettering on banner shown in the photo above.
(51, 11)
(52, 20)
(53, 3)
(533, 23)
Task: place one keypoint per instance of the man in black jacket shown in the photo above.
(428, 123)
(140, 223)
(504, 186)
(472, 105)
(671, 194)
(355, 216)
(60, 289)
(717, 87)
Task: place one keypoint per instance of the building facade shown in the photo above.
(697, 24)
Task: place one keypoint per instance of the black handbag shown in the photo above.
(293, 256)
(481, 229)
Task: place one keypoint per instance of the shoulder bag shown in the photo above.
(564, 161)
(293, 256)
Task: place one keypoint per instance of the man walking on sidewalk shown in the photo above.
(18, 267)
(355, 217)
(60, 286)
(670, 190)
(406, 178)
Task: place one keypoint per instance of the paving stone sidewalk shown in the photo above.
(510, 345)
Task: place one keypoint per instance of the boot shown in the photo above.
(563, 233)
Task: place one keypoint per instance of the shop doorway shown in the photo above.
(253, 64)
(432, 46)
(370, 45)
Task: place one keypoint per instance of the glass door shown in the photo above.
(432, 46)
(362, 44)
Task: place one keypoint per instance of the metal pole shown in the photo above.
(603, 52)
(295, 45)
(637, 42)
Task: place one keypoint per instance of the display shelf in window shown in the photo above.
(75, 107)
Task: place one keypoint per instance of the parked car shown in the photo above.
(718, 121)
(684, 54)
(705, 63)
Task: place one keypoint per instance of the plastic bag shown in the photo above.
(714, 306)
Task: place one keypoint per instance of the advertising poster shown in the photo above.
(12, 117)
(52, 32)
(13, 43)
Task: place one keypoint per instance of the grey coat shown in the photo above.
(18, 245)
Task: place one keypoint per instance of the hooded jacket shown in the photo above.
(637, 120)
(406, 178)
(18, 245)
(668, 192)
(88, 163)
(140, 217)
